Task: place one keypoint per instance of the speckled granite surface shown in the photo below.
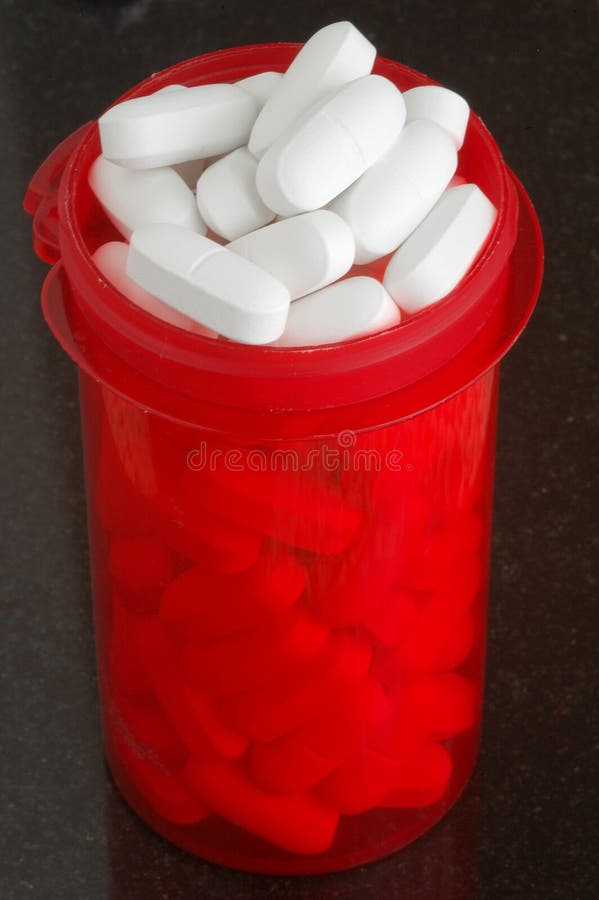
(524, 827)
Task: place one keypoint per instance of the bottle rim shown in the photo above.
(265, 378)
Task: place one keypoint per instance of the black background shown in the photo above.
(524, 827)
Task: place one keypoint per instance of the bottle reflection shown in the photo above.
(441, 865)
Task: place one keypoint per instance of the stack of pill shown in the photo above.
(289, 645)
(252, 211)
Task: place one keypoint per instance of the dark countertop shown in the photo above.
(524, 826)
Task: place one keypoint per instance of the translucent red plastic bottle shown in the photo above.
(290, 548)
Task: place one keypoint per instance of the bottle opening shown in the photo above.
(407, 360)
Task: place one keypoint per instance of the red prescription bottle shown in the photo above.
(290, 547)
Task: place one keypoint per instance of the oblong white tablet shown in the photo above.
(348, 309)
(440, 251)
(261, 86)
(387, 203)
(111, 260)
(305, 252)
(176, 125)
(331, 146)
(227, 197)
(131, 198)
(440, 105)
(208, 283)
(333, 56)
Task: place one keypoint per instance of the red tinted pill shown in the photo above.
(394, 735)
(359, 784)
(288, 766)
(371, 779)
(298, 823)
(210, 541)
(424, 563)
(446, 450)
(145, 470)
(423, 648)
(164, 793)
(459, 645)
(206, 605)
(272, 711)
(440, 707)
(140, 567)
(352, 720)
(119, 506)
(195, 719)
(389, 614)
(149, 734)
(256, 657)
(190, 712)
(192, 531)
(132, 641)
(367, 572)
(435, 643)
(295, 508)
(420, 780)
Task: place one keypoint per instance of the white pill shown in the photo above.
(227, 197)
(176, 125)
(131, 198)
(305, 252)
(440, 105)
(111, 260)
(331, 146)
(440, 251)
(333, 56)
(191, 170)
(261, 86)
(208, 283)
(348, 309)
(394, 195)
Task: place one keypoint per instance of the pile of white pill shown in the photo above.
(245, 206)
